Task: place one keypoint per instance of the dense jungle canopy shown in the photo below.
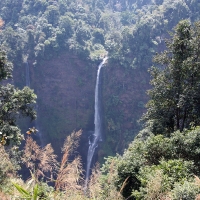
(41, 32)
(62, 42)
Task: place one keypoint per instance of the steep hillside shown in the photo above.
(124, 99)
(64, 41)
(65, 88)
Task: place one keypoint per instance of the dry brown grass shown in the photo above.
(103, 190)
(69, 173)
(1, 22)
(197, 180)
(7, 172)
(6, 164)
(43, 160)
(154, 188)
(197, 197)
(68, 178)
(39, 160)
(3, 196)
(94, 185)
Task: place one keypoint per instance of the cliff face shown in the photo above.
(124, 98)
(131, 34)
(65, 88)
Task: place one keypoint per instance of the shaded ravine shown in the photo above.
(97, 136)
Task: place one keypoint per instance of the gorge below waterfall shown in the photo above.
(97, 135)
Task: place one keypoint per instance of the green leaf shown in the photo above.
(21, 190)
(35, 192)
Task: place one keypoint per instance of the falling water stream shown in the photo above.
(29, 85)
(97, 124)
(27, 75)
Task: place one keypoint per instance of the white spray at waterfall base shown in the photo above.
(97, 124)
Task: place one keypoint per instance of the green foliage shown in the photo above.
(127, 18)
(7, 169)
(5, 67)
(41, 190)
(99, 36)
(162, 166)
(170, 160)
(129, 166)
(185, 145)
(186, 191)
(147, 21)
(66, 23)
(175, 97)
(82, 33)
(14, 103)
(158, 180)
(108, 173)
(131, 32)
(52, 14)
(23, 192)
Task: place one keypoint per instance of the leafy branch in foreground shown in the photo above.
(13, 104)
(25, 194)
(174, 103)
(7, 169)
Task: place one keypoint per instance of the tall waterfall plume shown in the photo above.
(28, 84)
(97, 123)
(27, 75)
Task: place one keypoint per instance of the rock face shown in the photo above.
(65, 87)
(124, 98)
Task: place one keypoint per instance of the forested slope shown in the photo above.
(71, 38)
(63, 42)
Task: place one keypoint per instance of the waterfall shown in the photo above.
(27, 75)
(36, 106)
(97, 124)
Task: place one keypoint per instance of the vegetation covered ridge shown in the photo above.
(63, 40)
(41, 29)
(163, 160)
(161, 163)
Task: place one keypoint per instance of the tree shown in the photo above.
(66, 23)
(99, 36)
(13, 104)
(154, 164)
(82, 33)
(52, 14)
(175, 97)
